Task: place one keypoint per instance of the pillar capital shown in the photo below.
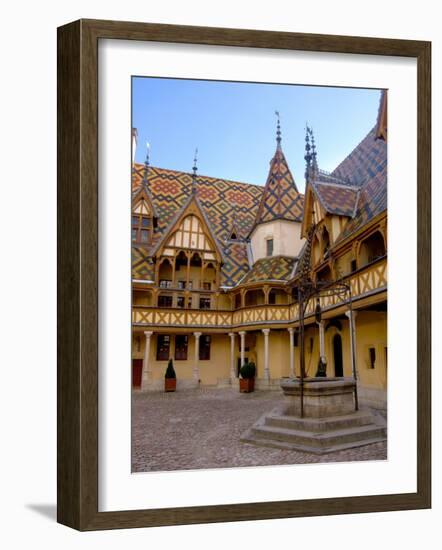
(148, 333)
(266, 331)
(242, 333)
(291, 330)
(349, 313)
(232, 334)
(197, 334)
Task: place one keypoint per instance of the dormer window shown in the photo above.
(269, 247)
(141, 229)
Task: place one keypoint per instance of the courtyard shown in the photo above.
(201, 428)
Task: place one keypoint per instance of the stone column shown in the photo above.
(352, 330)
(232, 356)
(196, 372)
(266, 332)
(292, 352)
(145, 375)
(243, 337)
(321, 340)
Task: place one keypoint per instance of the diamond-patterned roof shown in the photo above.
(273, 268)
(368, 162)
(225, 204)
(365, 161)
(281, 198)
(337, 199)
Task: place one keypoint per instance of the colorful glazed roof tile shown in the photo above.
(369, 159)
(142, 265)
(336, 198)
(365, 161)
(273, 268)
(225, 203)
(281, 198)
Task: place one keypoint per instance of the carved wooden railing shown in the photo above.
(369, 279)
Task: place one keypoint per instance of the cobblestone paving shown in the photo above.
(201, 429)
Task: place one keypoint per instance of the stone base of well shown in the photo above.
(330, 422)
(322, 396)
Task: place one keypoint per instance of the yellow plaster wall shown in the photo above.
(218, 367)
(371, 331)
(279, 354)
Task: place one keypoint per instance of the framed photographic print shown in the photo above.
(244, 275)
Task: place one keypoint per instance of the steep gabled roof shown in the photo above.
(340, 200)
(281, 198)
(365, 161)
(191, 206)
(223, 203)
(369, 162)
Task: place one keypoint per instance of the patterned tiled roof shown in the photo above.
(365, 161)
(337, 199)
(142, 266)
(281, 198)
(369, 163)
(274, 268)
(225, 204)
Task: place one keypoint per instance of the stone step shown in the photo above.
(275, 444)
(319, 440)
(320, 425)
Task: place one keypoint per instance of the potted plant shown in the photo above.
(170, 377)
(247, 377)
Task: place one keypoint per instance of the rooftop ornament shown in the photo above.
(194, 170)
(278, 131)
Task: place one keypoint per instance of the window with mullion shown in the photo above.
(163, 347)
(141, 229)
(181, 346)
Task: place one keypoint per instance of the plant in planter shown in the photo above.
(247, 377)
(170, 377)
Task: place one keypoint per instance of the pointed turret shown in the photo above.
(281, 199)
(277, 225)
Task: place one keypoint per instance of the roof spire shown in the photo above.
(194, 169)
(308, 155)
(311, 162)
(314, 159)
(146, 164)
(278, 131)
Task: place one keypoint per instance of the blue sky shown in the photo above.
(234, 124)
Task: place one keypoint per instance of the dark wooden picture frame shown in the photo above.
(77, 460)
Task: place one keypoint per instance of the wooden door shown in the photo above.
(137, 369)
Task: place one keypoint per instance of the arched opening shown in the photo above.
(195, 260)
(237, 300)
(371, 249)
(316, 251)
(209, 282)
(337, 355)
(324, 275)
(277, 296)
(165, 274)
(254, 297)
(325, 241)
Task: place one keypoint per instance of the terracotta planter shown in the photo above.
(246, 385)
(169, 384)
